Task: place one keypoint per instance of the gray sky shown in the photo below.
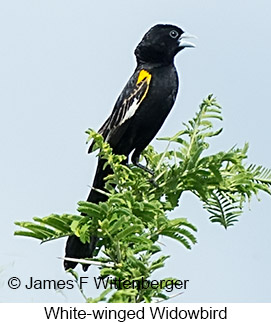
(62, 66)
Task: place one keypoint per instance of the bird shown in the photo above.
(138, 114)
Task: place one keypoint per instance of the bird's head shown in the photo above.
(161, 43)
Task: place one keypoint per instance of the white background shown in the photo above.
(63, 64)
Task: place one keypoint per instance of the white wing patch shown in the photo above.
(141, 90)
(131, 111)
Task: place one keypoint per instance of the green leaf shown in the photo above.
(56, 221)
(89, 208)
(128, 231)
(29, 234)
(224, 208)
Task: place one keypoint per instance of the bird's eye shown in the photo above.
(173, 34)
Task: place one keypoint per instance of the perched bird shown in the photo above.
(139, 112)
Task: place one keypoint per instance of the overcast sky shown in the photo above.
(63, 64)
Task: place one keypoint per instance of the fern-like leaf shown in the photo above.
(261, 174)
(224, 208)
(48, 228)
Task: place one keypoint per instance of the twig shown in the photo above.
(175, 295)
(87, 262)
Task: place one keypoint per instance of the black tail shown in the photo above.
(74, 247)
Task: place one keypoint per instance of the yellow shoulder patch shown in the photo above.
(144, 75)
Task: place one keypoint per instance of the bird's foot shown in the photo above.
(145, 168)
(150, 171)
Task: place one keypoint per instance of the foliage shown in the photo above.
(135, 216)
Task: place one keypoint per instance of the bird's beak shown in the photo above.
(184, 43)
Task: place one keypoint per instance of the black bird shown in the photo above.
(139, 112)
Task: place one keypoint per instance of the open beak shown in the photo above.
(184, 43)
